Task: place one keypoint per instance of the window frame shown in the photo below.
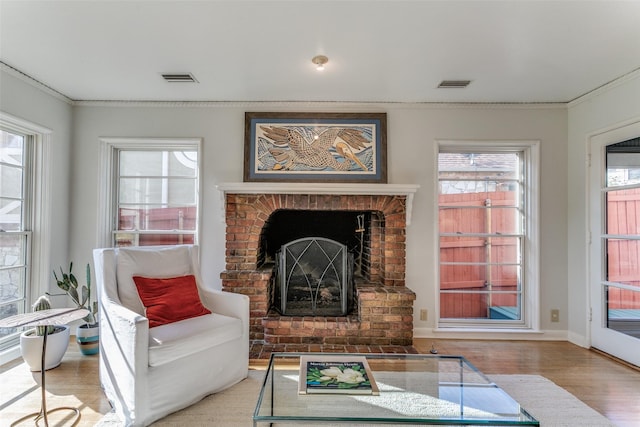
(109, 175)
(530, 292)
(37, 212)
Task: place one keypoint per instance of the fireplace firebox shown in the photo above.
(313, 277)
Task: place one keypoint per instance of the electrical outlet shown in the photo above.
(423, 314)
(555, 315)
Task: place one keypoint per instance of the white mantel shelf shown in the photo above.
(355, 189)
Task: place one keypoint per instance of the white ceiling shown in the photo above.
(379, 51)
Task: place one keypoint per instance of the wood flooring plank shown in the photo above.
(608, 386)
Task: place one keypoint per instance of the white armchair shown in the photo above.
(148, 373)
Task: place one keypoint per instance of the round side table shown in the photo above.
(51, 317)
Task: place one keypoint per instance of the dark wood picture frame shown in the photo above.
(315, 147)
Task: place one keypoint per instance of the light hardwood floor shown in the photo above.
(606, 385)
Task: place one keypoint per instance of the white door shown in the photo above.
(615, 242)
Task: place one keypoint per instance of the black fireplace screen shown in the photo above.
(313, 277)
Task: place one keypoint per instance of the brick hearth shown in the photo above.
(384, 305)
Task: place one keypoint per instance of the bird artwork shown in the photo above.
(295, 148)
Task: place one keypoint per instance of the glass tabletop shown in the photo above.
(411, 389)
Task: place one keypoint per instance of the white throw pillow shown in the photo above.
(158, 263)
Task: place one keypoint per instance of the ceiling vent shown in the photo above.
(454, 84)
(179, 78)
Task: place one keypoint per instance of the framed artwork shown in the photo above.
(315, 147)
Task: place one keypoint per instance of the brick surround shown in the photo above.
(384, 305)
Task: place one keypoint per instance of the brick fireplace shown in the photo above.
(382, 313)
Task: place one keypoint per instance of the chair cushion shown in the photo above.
(158, 262)
(169, 300)
(180, 339)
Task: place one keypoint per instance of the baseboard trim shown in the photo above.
(10, 355)
(579, 340)
(525, 335)
(616, 359)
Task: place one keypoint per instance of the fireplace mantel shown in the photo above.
(407, 190)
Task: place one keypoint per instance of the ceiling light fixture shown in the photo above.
(320, 60)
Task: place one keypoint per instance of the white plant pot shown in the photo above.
(31, 348)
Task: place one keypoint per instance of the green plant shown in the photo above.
(80, 295)
(43, 303)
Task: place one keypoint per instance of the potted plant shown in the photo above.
(87, 334)
(31, 341)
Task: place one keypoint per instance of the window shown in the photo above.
(614, 244)
(487, 234)
(154, 189)
(24, 221)
(621, 237)
(15, 227)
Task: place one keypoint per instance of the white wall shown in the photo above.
(222, 159)
(411, 135)
(23, 100)
(412, 130)
(608, 108)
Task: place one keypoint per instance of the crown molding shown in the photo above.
(35, 83)
(336, 106)
(605, 88)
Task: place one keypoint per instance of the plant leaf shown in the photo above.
(85, 296)
(74, 295)
(73, 280)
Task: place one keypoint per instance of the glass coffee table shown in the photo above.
(413, 389)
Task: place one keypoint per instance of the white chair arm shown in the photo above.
(227, 303)
(126, 330)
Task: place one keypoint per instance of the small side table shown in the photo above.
(51, 317)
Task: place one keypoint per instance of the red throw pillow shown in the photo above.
(169, 300)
